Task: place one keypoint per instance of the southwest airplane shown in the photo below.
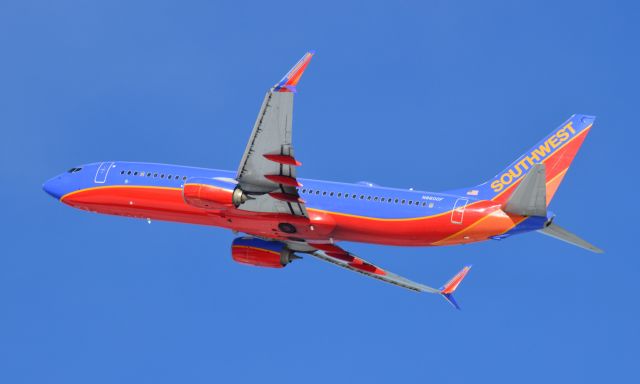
(284, 215)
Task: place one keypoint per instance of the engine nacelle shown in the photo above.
(212, 193)
(261, 253)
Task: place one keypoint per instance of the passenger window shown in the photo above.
(368, 197)
(162, 175)
(324, 193)
(403, 201)
(155, 175)
(122, 172)
(396, 201)
(346, 195)
(184, 178)
(339, 194)
(331, 194)
(317, 192)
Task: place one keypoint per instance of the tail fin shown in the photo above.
(447, 290)
(556, 151)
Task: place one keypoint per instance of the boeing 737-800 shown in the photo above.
(284, 216)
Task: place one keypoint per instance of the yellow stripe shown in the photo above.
(119, 186)
(558, 175)
(382, 219)
(464, 229)
(309, 209)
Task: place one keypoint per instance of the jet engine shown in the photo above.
(261, 253)
(212, 193)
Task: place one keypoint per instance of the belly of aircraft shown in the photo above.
(480, 221)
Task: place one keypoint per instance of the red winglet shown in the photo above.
(286, 197)
(283, 159)
(285, 180)
(452, 284)
(291, 79)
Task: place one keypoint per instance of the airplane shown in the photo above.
(283, 216)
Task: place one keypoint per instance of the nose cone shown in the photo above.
(55, 187)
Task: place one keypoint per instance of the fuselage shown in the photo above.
(360, 212)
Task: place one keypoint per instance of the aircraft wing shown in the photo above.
(267, 171)
(344, 259)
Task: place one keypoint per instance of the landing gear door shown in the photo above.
(103, 171)
(458, 210)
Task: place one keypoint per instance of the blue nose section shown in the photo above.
(55, 187)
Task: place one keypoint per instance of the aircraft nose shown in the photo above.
(54, 187)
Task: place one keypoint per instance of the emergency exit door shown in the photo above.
(458, 210)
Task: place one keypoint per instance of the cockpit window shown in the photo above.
(72, 170)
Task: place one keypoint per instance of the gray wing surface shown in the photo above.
(338, 256)
(271, 135)
(267, 171)
(368, 269)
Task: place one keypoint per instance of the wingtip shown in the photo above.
(290, 80)
(449, 297)
(455, 281)
(447, 290)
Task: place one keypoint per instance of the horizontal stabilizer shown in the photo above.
(530, 197)
(560, 233)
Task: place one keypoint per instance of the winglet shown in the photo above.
(447, 290)
(291, 79)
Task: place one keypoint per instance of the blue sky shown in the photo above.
(427, 94)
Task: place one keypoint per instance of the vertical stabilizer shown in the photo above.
(556, 152)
